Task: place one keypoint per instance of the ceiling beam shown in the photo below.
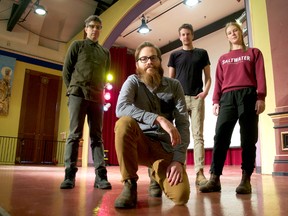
(103, 6)
(16, 13)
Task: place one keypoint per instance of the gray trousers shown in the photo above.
(78, 109)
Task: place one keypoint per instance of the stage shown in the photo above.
(34, 190)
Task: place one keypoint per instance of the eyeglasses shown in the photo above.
(98, 27)
(144, 59)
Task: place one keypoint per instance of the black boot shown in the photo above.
(154, 188)
(244, 187)
(128, 196)
(69, 180)
(213, 185)
(101, 179)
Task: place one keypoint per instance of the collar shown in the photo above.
(92, 43)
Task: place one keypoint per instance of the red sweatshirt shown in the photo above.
(240, 69)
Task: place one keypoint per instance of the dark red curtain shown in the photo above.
(233, 156)
(122, 65)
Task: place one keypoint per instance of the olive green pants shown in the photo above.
(133, 148)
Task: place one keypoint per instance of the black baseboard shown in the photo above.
(279, 173)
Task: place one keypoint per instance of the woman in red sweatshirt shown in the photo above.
(239, 95)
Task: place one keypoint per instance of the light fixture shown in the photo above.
(39, 9)
(106, 107)
(191, 3)
(143, 29)
(240, 20)
(245, 32)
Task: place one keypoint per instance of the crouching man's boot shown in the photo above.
(69, 180)
(200, 178)
(154, 188)
(128, 196)
(213, 185)
(244, 187)
(101, 180)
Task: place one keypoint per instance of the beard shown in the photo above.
(151, 76)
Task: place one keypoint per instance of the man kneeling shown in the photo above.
(147, 106)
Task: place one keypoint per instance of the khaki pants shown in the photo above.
(196, 109)
(133, 148)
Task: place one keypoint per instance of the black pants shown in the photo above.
(236, 105)
(78, 109)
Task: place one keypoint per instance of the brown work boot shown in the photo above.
(128, 197)
(213, 185)
(200, 178)
(244, 187)
(154, 188)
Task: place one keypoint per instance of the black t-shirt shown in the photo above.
(189, 65)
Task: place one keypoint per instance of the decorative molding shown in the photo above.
(284, 140)
(31, 60)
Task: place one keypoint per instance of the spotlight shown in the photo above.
(240, 20)
(191, 3)
(106, 107)
(107, 96)
(107, 93)
(109, 77)
(245, 32)
(39, 9)
(143, 29)
(108, 86)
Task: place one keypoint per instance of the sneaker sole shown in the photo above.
(104, 188)
(66, 187)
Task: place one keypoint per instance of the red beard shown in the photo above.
(151, 76)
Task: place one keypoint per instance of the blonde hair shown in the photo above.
(241, 32)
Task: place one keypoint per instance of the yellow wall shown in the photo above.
(111, 17)
(9, 124)
(261, 40)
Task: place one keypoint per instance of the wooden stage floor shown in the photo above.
(34, 190)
